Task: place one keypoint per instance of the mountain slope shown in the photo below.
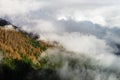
(15, 44)
(19, 53)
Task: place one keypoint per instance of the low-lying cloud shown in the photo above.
(77, 66)
(84, 27)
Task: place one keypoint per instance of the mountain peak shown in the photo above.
(7, 24)
(4, 22)
(15, 42)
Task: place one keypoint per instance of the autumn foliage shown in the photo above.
(15, 44)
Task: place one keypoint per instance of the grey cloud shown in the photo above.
(85, 27)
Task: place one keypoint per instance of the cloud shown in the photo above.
(100, 12)
(77, 66)
(103, 15)
(12, 7)
(89, 27)
(85, 1)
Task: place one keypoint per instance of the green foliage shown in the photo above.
(9, 63)
(58, 61)
(46, 62)
(36, 44)
(15, 69)
(73, 63)
(25, 58)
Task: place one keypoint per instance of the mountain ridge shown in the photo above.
(15, 41)
(20, 53)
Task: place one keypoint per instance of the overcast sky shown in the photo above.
(103, 12)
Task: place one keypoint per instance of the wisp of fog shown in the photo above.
(88, 28)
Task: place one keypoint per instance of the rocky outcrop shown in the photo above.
(4, 22)
(8, 25)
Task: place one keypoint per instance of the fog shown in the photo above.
(77, 66)
(83, 27)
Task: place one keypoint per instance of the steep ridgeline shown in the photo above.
(16, 44)
(20, 53)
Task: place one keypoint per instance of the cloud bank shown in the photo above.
(88, 27)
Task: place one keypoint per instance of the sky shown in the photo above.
(89, 27)
(104, 12)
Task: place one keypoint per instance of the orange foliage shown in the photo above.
(12, 43)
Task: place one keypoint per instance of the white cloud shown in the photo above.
(97, 11)
(12, 7)
(82, 26)
(86, 1)
(103, 15)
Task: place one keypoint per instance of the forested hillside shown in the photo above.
(19, 54)
(15, 44)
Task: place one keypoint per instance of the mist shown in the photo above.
(77, 66)
(82, 27)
